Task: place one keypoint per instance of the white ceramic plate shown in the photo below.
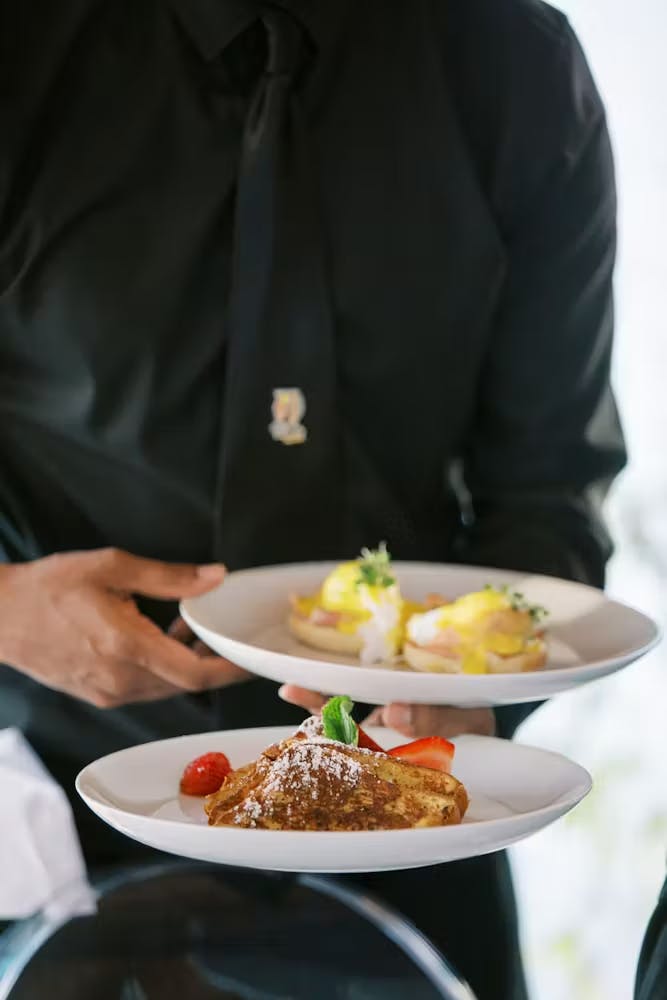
(589, 635)
(514, 791)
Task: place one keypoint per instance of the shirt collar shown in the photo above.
(213, 24)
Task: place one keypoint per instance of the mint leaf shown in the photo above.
(337, 720)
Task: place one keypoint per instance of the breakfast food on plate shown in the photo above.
(304, 783)
(322, 778)
(358, 610)
(489, 631)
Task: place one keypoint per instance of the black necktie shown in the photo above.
(277, 493)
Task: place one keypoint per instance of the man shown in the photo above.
(401, 213)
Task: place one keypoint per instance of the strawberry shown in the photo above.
(432, 751)
(366, 742)
(205, 774)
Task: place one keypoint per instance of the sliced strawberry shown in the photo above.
(432, 751)
(205, 774)
(367, 742)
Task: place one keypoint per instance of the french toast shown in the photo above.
(307, 782)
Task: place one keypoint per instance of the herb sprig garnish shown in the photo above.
(337, 721)
(375, 567)
(519, 603)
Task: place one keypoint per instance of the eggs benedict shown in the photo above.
(358, 610)
(487, 631)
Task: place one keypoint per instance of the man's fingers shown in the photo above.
(216, 671)
(152, 578)
(310, 700)
(434, 720)
(141, 643)
(154, 692)
(376, 718)
(411, 720)
(120, 683)
(132, 681)
(201, 649)
(137, 642)
(182, 667)
(144, 687)
(180, 631)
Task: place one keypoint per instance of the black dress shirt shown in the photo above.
(468, 205)
(468, 210)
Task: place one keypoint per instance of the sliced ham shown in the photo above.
(327, 619)
(448, 643)
(435, 601)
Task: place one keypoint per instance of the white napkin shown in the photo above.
(41, 863)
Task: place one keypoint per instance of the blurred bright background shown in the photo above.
(588, 885)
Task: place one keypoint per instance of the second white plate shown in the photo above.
(589, 635)
(514, 791)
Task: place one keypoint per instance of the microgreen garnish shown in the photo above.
(375, 567)
(337, 721)
(519, 603)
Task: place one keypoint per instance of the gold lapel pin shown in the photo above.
(288, 410)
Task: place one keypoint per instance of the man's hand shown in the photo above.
(69, 621)
(412, 721)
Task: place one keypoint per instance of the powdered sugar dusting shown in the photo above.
(312, 726)
(303, 766)
(252, 808)
(308, 772)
